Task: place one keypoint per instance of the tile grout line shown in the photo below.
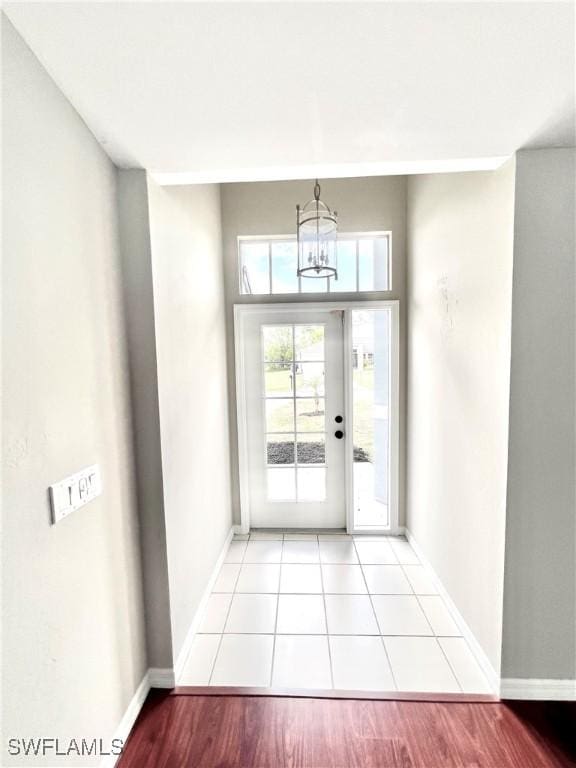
(440, 644)
(227, 614)
(277, 611)
(326, 617)
(376, 616)
(434, 635)
(337, 634)
(319, 592)
(449, 663)
(415, 565)
(406, 577)
(324, 593)
(413, 594)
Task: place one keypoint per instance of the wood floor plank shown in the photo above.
(183, 731)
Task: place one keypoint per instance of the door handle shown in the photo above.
(339, 434)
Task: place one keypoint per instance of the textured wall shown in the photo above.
(460, 230)
(141, 334)
(73, 619)
(540, 577)
(191, 348)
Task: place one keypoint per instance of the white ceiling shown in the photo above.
(220, 91)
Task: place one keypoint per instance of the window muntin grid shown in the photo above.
(267, 265)
(293, 396)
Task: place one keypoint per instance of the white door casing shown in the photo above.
(256, 393)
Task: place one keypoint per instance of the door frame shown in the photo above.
(243, 311)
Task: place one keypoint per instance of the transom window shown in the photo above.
(268, 265)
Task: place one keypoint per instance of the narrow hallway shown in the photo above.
(329, 612)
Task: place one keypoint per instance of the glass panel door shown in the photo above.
(318, 415)
(294, 389)
(371, 384)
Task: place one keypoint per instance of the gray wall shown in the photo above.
(269, 208)
(73, 628)
(141, 332)
(540, 578)
(459, 306)
(191, 348)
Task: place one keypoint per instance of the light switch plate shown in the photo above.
(73, 492)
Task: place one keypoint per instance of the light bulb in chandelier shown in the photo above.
(316, 228)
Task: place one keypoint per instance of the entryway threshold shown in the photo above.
(307, 693)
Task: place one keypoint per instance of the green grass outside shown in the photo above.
(279, 381)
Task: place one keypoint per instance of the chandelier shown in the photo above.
(316, 227)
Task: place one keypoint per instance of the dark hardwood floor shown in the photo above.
(184, 731)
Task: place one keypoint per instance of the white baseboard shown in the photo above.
(165, 677)
(538, 690)
(185, 650)
(239, 530)
(161, 677)
(128, 720)
(486, 665)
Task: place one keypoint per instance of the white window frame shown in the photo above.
(394, 423)
(343, 236)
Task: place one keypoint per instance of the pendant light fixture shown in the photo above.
(316, 227)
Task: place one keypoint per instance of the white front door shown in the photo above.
(294, 400)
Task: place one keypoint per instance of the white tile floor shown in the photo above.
(329, 611)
